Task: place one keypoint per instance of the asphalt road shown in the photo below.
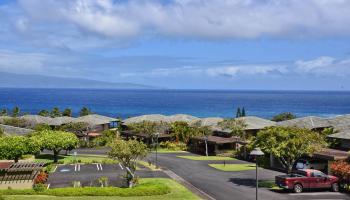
(232, 185)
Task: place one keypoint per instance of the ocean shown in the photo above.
(200, 103)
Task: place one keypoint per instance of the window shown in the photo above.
(318, 174)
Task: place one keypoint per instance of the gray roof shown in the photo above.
(95, 119)
(340, 121)
(11, 130)
(341, 135)
(256, 123)
(32, 120)
(310, 122)
(161, 118)
(209, 121)
(57, 121)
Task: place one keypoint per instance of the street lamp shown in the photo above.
(256, 152)
(157, 135)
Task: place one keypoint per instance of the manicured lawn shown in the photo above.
(270, 184)
(233, 167)
(162, 150)
(149, 189)
(146, 164)
(206, 158)
(87, 159)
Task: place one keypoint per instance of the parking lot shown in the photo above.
(88, 174)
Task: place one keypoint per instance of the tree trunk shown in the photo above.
(55, 156)
(16, 160)
(206, 147)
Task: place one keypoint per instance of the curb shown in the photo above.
(188, 185)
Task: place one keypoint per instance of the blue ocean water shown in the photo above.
(200, 103)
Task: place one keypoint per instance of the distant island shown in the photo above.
(11, 80)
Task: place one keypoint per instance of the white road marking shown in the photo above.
(78, 167)
(75, 167)
(54, 169)
(48, 186)
(121, 167)
(101, 167)
(98, 167)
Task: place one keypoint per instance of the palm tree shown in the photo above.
(15, 111)
(67, 112)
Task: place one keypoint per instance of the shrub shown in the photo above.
(41, 178)
(175, 146)
(13, 121)
(40, 187)
(341, 169)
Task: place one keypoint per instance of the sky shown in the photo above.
(181, 44)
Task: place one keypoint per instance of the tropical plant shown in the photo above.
(15, 111)
(238, 113)
(283, 117)
(236, 127)
(84, 111)
(55, 112)
(127, 153)
(44, 113)
(14, 147)
(79, 128)
(103, 181)
(56, 141)
(67, 112)
(4, 112)
(42, 127)
(2, 132)
(41, 178)
(182, 131)
(288, 144)
(341, 169)
(243, 112)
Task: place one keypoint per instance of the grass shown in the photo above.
(147, 165)
(233, 167)
(212, 158)
(149, 189)
(86, 159)
(270, 184)
(164, 150)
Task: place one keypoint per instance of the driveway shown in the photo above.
(230, 185)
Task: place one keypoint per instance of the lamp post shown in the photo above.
(256, 152)
(157, 135)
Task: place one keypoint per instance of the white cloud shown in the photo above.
(197, 18)
(324, 66)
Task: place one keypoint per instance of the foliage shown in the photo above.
(14, 147)
(151, 187)
(84, 111)
(182, 131)
(236, 126)
(243, 112)
(341, 169)
(103, 181)
(4, 112)
(2, 132)
(14, 121)
(107, 137)
(41, 178)
(175, 146)
(67, 112)
(283, 117)
(79, 128)
(40, 187)
(44, 113)
(15, 111)
(288, 143)
(56, 141)
(55, 112)
(127, 153)
(233, 167)
(240, 112)
(42, 127)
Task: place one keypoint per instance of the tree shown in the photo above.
(4, 112)
(67, 112)
(182, 131)
(42, 127)
(236, 126)
(150, 128)
(55, 112)
(44, 113)
(127, 153)
(288, 143)
(2, 132)
(84, 111)
(243, 112)
(14, 121)
(283, 117)
(15, 111)
(79, 128)
(238, 113)
(341, 169)
(56, 141)
(14, 147)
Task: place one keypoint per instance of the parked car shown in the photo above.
(307, 179)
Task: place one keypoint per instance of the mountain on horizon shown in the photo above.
(11, 80)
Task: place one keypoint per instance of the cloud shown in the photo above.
(190, 18)
(323, 66)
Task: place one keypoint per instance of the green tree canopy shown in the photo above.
(15, 111)
(182, 131)
(14, 147)
(236, 126)
(44, 113)
(84, 111)
(55, 112)
(127, 153)
(2, 132)
(42, 127)
(56, 141)
(288, 143)
(79, 128)
(67, 112)
(283, 117)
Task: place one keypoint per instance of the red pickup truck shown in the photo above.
(307, 179)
